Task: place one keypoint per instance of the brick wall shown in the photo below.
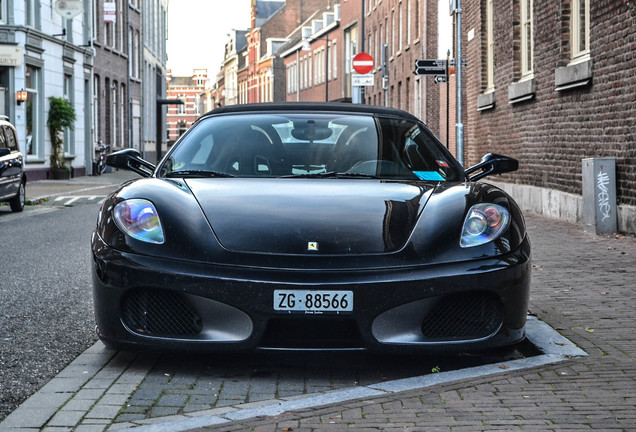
(416, 94)
(554, 130)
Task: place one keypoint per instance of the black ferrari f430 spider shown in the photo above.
(310, 226)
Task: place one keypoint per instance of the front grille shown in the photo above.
(160, 313)
(463, 317)
(311, 333)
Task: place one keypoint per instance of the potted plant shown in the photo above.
(61, 116)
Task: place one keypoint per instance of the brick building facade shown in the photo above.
(189, 89)
(409, 30)
(117, 83)
(311, 58)
(558, 87)
(271, 23)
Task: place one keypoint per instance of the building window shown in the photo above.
(310, 68)
(131, 55)
(32, 112)
(527, 44)
(121, 37)
(351, 49)
(137, 56)
(69, 144)
(317, 67)
(95, 20)
(333, 55)
(392, 33)
(400, 27)
(408, 22)
(580, 28)
(122, 115)
(3, 12)
(113, 113)
(181, 127)
(379, 41)
(31, 13)
(181, 108)
(418, 98)
(96, 100)
(490, 47)
(110, 33)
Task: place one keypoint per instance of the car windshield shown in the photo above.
(309, 144)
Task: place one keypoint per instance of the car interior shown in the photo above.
(298, 145)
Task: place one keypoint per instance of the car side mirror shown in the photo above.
(130, 159)
(4, 151)
(492, 163)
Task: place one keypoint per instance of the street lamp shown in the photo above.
(307, 47)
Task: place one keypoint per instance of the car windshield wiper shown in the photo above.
(312, 175)
(356, 175)
(197, 173)
(332, 174)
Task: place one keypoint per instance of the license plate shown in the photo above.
(313, 301)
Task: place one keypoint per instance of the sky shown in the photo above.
(197, 32)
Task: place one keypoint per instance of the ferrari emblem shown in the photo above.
(312, 246)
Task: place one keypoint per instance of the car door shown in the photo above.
(10, 163)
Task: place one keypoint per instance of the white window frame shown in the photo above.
(392, 33)
(34, 97)
(400, 27)
(96, 98)
(181, 108)
(408, 22)
(122, 115)
(310, 58)
(527, 38)
(333, 61)
(69, 145)
(577, 27)
(120, 26)
(490, 47)
(114, 110)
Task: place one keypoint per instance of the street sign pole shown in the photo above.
(447, 101)
(459, 127)
(385, 73)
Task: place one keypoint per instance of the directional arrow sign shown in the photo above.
(440, 79)
(430, 67)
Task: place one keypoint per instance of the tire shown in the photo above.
(17, 202)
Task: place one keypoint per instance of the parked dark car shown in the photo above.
(12, 176)
(312, 226)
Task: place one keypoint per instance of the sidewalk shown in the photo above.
(583, 286)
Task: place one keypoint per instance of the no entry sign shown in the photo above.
(362, 63)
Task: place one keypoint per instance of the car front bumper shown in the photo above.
(144, 302)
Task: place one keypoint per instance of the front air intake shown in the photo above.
(463, 317)
(160, 313)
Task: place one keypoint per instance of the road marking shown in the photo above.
(70, 200)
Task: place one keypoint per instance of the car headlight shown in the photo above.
(139, 219)
(484, 223)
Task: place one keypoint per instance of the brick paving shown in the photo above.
(585, 287)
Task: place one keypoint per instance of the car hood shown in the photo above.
(311, 216)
